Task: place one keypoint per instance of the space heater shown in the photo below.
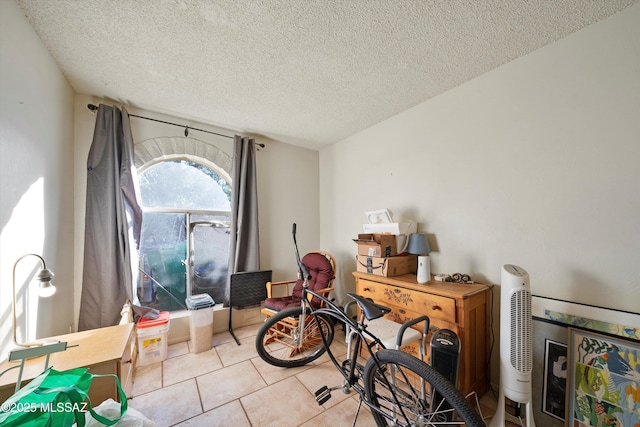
(516, 346)
(445, 358)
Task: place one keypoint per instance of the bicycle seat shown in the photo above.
(370, 309)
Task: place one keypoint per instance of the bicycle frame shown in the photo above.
(352, 381)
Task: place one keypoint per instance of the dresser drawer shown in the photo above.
(422, 303)
(401, 315)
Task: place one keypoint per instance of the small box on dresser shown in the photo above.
(387, 267)
(375, 244)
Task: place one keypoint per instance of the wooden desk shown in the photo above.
(462, 308)
(108, 350)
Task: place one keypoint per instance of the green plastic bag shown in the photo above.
(56, 399)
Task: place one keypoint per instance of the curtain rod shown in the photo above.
(93, 107)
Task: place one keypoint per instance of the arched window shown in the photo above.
(186, 202)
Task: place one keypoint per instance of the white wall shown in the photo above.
(36, 179)
(535, 163)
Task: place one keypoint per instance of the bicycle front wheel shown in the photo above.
(405, 391)
(284, 341)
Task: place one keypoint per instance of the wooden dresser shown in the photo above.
(110, 350)
(462, 308)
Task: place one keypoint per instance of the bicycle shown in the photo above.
(398, 388)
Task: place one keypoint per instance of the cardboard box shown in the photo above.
(376, 244)
(388, 267)
(401, 230)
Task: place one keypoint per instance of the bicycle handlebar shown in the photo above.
(303, 268)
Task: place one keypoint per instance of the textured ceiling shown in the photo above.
(306, 72)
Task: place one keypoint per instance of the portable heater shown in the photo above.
(445, 354)
(445, 358)
(516, 345)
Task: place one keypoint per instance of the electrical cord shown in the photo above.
(492, 342)
(475, 395)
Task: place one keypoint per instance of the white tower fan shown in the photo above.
(516, 346)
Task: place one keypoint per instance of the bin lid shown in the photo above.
(162, 319)
(196, 302)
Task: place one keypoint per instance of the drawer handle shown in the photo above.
(402, 311)
(436, 307)
(367, 289)
(397, 291)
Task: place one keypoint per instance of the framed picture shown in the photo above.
(600, 319)
(603, 381)
(555, 379)
(548, 409)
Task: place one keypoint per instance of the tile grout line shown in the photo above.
(199, 396)
(246, 414)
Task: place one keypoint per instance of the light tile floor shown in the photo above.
(231, 385)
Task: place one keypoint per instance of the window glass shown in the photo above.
(184, 185)
(163, 251)
(210, 259)
(171, 191)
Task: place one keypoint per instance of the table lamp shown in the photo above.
(46, 289)
(418, 245)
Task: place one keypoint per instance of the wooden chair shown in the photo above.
(322, 268)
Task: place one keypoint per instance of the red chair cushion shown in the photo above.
(321, 275)
(279, 304)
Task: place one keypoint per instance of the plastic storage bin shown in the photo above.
(152, 339)
(201, 322)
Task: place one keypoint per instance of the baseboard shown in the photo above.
(179, 323)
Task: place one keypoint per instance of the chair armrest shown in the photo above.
(271, 285)
(322, 292)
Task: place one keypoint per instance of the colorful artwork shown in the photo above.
(594, 325)
(605, 381)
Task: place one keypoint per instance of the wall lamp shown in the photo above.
(46, 289)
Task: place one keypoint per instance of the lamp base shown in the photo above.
(424, 269)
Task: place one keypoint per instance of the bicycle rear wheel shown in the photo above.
(283, 341)
(394, 389)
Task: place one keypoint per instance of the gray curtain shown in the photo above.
(244, 251)
(112, 215)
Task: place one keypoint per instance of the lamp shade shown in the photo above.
(45, 289)
(418, 244)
